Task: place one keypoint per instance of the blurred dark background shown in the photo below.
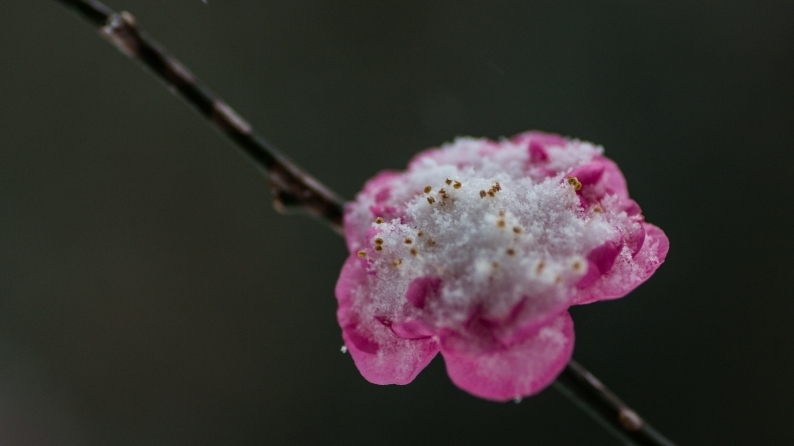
(150, 295)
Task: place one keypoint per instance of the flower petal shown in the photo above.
(421, 289)
(518, 370)
(380, 355)
(613, 180)
(589, 173)
(628, 271)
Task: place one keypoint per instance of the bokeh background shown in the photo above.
(150, 295)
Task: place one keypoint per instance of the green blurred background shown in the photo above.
(149, 294)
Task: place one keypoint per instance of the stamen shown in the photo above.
(491, 193)
(511, 252)
(448, 181)
(431, 200)
(379, 248)
(362, 253)
(500, 222)
(420, 233)
(517, 229)
(597, 209)
(457, 185)
(539, 268)
(496, 186)
(428, 189)
(413, 252)
(573, 181)
(378, 241)
(397, 262)
(408, 240)
(482, 194)
(378, 220)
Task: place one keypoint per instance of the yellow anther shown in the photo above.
(428, 189)
(397, 262)
(362, 253)
(511, 252)
(597, 209)
(379, 248)
(577, 266)
(448, 181)
(491, 193)
(482, 194)
(378, 241)
(378, 220)
(420, 233)
(500, 222)
(573, 181)
(517, 229)
(431, 200)
(408, 240)
(457, 185)
(413, 251)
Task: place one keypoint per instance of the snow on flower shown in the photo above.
(478, 250)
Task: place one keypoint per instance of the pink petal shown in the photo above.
(383, 194)
(635, 237)
(589, 173)
(613, 180)
(483, 332)
(380, 355)
(411, 329)
(518, 370)
(379, 181)
(384, 211)
(537, 152)
(631, 207)
(537, 143)
(525, 318)
(603, 257)
(421, 289)
(628, 273)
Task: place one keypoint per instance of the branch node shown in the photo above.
(630, 420)
(120, 30)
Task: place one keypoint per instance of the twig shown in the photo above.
(291, 186)
(587, 392)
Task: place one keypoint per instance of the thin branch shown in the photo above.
(291, 186)
(587, 392)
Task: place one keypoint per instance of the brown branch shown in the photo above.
(587, 392)
(291, 186)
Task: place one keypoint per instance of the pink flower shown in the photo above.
(478, 250)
